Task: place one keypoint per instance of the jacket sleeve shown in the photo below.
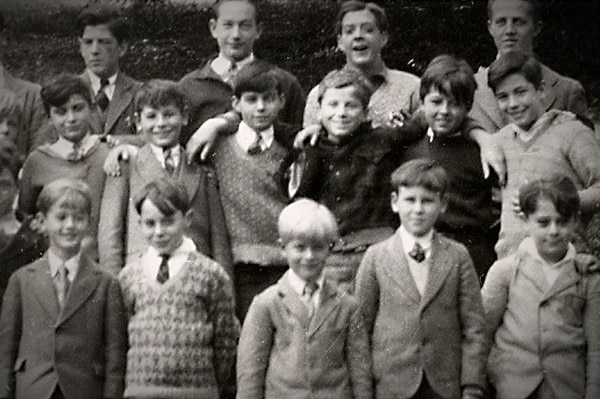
(495, 295)
(254, 349)
(358, 355)
(27, 192)
(367, 290)
(34, 117)
(591, 326)
(577, 102)
(584, 157)
(10, 335)
(115, 333)
(311, 109)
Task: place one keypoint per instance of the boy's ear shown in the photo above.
(235, 102)
(393, 201)
(282, 99)
(212, 26)
(123, 46)
(188, 218)
(538, 28)
(39, 222)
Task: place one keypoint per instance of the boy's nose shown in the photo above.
(444, 107)
(235, 31)
(512, 101)
(3, 127)
(260, 104)
(510, 27)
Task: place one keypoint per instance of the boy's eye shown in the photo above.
(79, 107)
(348, 29)
(87, 42)
(500, 21)
(246, 25)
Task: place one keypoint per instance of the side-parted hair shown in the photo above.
(258, 77)
(9, 105)
(104, 15)
(515, 62)
(347, 77)
(423, 173)
(452, 77)
(60, 88)
(356, 5)
(157, 93)
(535, 7)
(167, 195)
(309, 220)
(66, 193)
(558, 189)
(216, 8)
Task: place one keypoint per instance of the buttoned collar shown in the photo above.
(159, 153)
(221, 64)
(528, 247)
(64, 148)
(95, 82)
(408, 241)
(72, 264)
(246, 136)
(298, 283)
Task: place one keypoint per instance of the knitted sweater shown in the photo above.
(182, 334)
(252, 196)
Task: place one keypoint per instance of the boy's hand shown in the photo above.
(491, 156)
(311, 132)
(120, 152)
(204, 138)
(516, 207)
(472, 392)
(397, 119)
(111, 140)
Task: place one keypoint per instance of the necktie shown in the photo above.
(75, 154)
(62, 284)
(307, 295)
(169, 161)
(230, 73)
(101, 97)
(163, 269)
(255, 147)
(417, 253)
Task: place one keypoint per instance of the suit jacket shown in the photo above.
(120, 240)
(560, 92)
(283, 353)
(82, 347)
(118, 118)
(33, 114)
(439, 335)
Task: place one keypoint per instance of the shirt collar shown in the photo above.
(186, 246)
(246, 136)
(221, 64)
(159, 153)
(65, 148)
(408, 240)
(383, 73)
(72, 264)
(298, 283)
(528, 247)
(95, 80)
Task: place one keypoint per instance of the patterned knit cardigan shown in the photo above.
(182, 334)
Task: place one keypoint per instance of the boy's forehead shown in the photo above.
(74, 99)
(418, 190)
(101, 31)
(522, 8)
(170, 106)
(346, 92)
(236, 10)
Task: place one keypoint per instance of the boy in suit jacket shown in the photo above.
(419, 294)
(63, 327)
(303, 338)
(160, 116)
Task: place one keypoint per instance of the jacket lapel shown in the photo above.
(326, 306)
(550, 78)
(292, 301)
(122, 97)
(147, 166)
(82, 287)
(565, 280)
(532, 271)
(45, 291)
(438, 270)
(484, 96)
(397, 269)
(188, 175)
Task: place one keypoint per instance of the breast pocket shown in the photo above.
(569, 307)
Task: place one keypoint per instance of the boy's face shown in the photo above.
(550, 231)
(418, 209)
(164, 233)
(161, 126)
(512, 26)
(519, 100)
(444, 115)
(360, 39)
(72, 120)
(8, 127)
(306, 257)
(66, 227)
(259, 110)
(341, 112)
(100, 50)
(235, 29)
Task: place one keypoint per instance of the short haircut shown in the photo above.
(356, 5)
(216, 8)
(104, 15)
(258, 77)
(157, 93)
(515, 62)
(307, 219)
(9, 105)
(60, 88)
(66, 193)
(536, 9)
(558, 189)
(167, 195)
(452, 77)
(347, 77)
(421, 172)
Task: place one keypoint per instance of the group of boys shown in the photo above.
(289, 325)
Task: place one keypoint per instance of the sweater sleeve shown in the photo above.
(584, 157)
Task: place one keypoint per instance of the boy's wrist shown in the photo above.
(472, 391)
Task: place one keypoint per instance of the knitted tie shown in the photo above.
(255, 147)
(101, 97)
(169, 161)
(163, 269)
(62, 284)
(76, 153)
(309, 290)
(417, 253)
(230, 73)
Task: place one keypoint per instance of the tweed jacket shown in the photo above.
(33, 115)
(119, 236)
(209, 96)
(283, 353)
(439, 335)
(118, 118)
(560, 92)
(540, 332)
(81, 348)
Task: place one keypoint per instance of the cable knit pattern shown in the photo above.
(252, 196)
(182, 334)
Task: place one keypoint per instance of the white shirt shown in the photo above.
(72, 265)
(246, 136)
(419, 271)
(221, 64)
(298, 284)
(95, 81)
(551, 270)
(151, 260)
(160, 155)
(64, 148)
